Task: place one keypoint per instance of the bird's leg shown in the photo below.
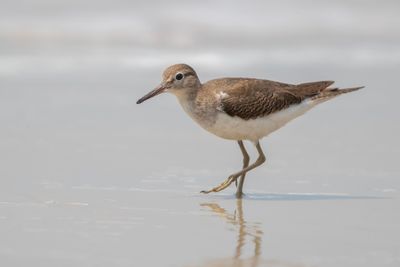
(260, 160)
(246, 160)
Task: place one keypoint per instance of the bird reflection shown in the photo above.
(245, 230)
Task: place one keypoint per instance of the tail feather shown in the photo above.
(330, 93)
(310, 89)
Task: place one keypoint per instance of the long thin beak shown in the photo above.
(158, 90)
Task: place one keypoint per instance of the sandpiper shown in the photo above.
(242, 108)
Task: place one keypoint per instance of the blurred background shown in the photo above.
(71, 72)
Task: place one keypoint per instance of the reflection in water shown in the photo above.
(245, 231)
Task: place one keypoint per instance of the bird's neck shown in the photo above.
(192, 103)
(187, 98)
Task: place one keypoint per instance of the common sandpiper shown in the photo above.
(242, 108)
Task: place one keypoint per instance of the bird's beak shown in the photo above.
(158, 90)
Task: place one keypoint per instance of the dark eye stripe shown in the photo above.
(189, 74)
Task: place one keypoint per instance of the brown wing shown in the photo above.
(253, 99)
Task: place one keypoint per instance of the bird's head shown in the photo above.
(177, 79)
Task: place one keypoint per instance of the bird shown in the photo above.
(242, 109)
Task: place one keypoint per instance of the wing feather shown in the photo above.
(257, 103)
(253, 98)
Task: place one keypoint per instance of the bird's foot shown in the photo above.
(223, 185)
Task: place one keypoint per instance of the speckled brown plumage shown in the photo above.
(253, 98)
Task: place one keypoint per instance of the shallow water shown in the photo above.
(88, 178)
(55, 224)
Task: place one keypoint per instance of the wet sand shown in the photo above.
(55, 224)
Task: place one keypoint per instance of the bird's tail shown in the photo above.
(330, 93)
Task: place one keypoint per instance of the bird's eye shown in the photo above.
(179, 76)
